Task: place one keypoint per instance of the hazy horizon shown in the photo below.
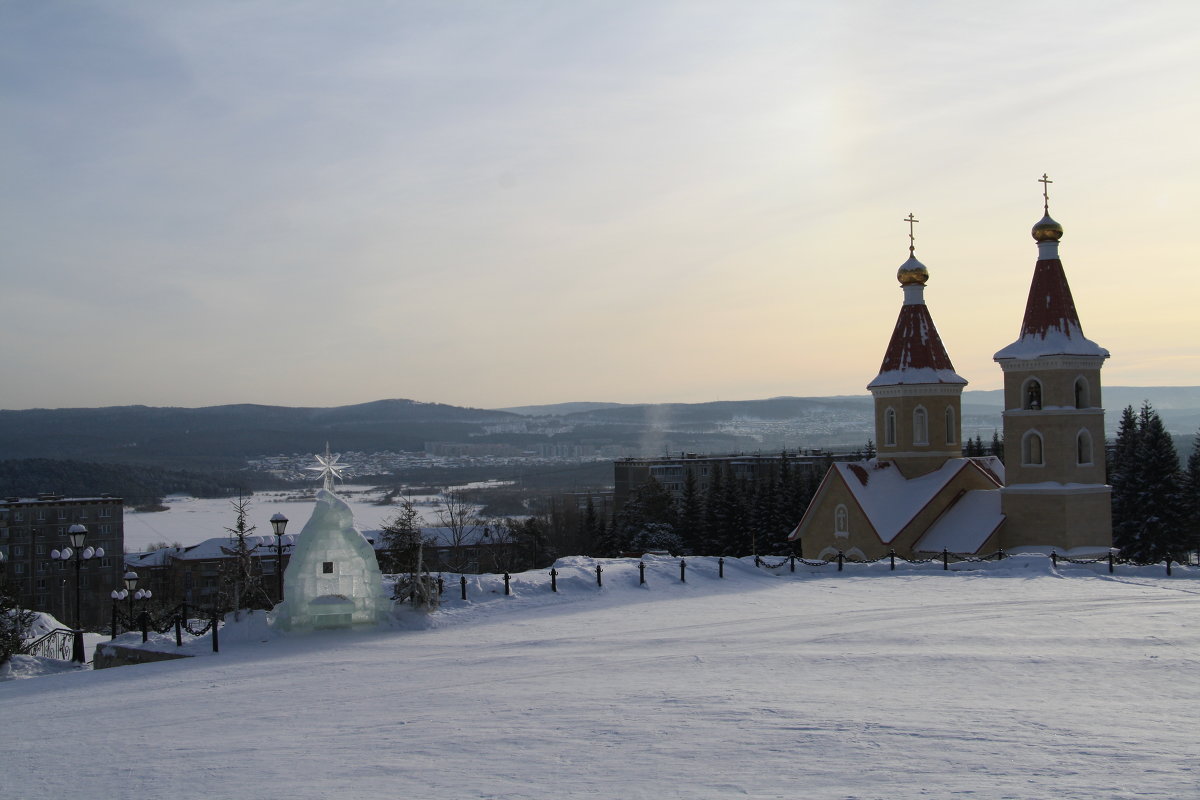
(506, 204)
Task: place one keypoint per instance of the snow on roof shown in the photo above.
(1051, 324)
(890, 500)
(915, 353)
(965, 526)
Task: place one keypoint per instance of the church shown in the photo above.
(920, 496)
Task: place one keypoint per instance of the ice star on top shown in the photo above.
(328, 467)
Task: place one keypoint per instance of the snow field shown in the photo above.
(1005, 680)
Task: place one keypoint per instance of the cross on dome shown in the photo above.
(912, 240)
(1045, 182)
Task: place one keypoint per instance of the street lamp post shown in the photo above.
(130, 592)
(77, 534)
(279, 524)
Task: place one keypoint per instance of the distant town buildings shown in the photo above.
(672, 471)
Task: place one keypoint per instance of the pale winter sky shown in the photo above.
(500, 203)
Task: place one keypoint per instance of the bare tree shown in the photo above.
(463, 530)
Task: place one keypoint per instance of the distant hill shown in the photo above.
(559, 409)
(225, 436)
(220, 438)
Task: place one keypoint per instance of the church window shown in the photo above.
(889, 427)
(951, 427)
(1031, 450)
(1082, 395)
(1032, 393)
(841, 521)
(1083, 447)
(920, 426)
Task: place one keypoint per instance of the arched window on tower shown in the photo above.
(1083, 448)
(1083, 397)
(951, 427)
(889, 427)
(841, 522)
(1031, 450)
(1032, 394)
(920, 426)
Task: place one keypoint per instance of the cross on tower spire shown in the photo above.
(1045, 182)
(912, 240)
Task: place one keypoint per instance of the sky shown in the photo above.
(505, 203)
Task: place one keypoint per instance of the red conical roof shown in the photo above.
(1051, 325)
(915, 354)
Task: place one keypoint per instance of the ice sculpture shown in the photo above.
(333, 578)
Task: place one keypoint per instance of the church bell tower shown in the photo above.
(1055, 493)
(918, 395)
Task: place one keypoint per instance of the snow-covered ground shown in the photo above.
(1011, 681)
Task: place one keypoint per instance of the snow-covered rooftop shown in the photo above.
(1051, 324)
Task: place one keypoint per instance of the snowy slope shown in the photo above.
(1014, 681)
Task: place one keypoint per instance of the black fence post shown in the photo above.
(945, 559)
(506, 589)
(683, 570)
(841, 558)
(462, 583)
(892, 556)
(641, 572)
(216, 626)
(144, 618)
(599, 574)
(178, 631)
(553, 579)
(721, 567)
(1054, 558)
(792, 563)
(757, 561)
(1110, 562)
(1000, 554)
(441, 586)
(183, 611)
(1168, 566)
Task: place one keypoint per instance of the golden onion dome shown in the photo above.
(1047, 230)
(912, 271)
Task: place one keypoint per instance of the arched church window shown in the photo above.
(1083, 448)
(889, 427)
(920, 426)
(1033, 395)
(1082, 395)
(841, 521)
(951, 427)
(1031, 449)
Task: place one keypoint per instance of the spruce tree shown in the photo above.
(691, 513)
(1191, 503)
(1148, 493)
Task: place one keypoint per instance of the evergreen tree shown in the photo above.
(997, 446)
(1148, 495)
(713, 532)
(1123, 477)
(1191, 503)
(651, 509)
(871, 452)
(691, 513)
(242, 582)
(401, 539)
(14, 624)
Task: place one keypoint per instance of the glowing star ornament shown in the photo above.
(328, 467)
